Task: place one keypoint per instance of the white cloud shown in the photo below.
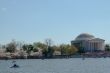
(4, 9)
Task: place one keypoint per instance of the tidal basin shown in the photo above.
(73, 65)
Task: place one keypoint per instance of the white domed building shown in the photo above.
(88, 43)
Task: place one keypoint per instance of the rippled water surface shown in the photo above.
(74, 65)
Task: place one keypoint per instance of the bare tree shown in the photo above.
(48, 42)
(19, 45)
(0, 46)
(49, 51)
(11, 47)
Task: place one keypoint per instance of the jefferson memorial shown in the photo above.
(88, 43)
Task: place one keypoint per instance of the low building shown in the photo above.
(88, 43)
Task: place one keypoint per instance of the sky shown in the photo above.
(61, 20)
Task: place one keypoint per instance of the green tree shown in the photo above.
(67, 49)
(25, 47)
(56, 48)
(50, 52)
(28, 48)
(48, 42)
(72, 50)
(11, 47)
(107, 47)
(45, 53)
(35, 50)
(0, 46)
(39, 45)
(64, 49)
(80, 48)
(49, 48)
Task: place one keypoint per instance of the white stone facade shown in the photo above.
(89, 43)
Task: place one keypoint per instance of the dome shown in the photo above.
(84, 36)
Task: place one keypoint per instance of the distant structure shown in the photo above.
(88, 43)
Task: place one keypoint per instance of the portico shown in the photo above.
(89, 43)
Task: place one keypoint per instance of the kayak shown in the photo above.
(15, 66)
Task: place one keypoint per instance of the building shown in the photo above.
(88, 43)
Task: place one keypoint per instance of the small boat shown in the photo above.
(15, 66)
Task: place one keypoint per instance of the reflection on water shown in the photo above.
(75, 65)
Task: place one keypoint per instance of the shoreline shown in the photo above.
(54, 57)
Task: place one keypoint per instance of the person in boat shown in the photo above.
(15, 65)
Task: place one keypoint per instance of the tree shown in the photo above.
(45, 53)
(49, 49)
(107, 47)
(28, 48)
(64, 49)
(80, 48)
(72, 50)
(50, 52)
(35, 50)
(48, 42)
(0, 46)
(56, 48)
(11, 47)
(19, 45)
(42, 46)
(25, 47)
(39, 45)
(67, 49)
(3, 46)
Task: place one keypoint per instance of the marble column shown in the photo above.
(91, 46)
(99, 46)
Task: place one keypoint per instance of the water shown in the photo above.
(74, 65)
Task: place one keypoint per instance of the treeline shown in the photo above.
(47, 48)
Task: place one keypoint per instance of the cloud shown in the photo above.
(3, 9)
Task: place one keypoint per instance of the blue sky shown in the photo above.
(60, 20)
